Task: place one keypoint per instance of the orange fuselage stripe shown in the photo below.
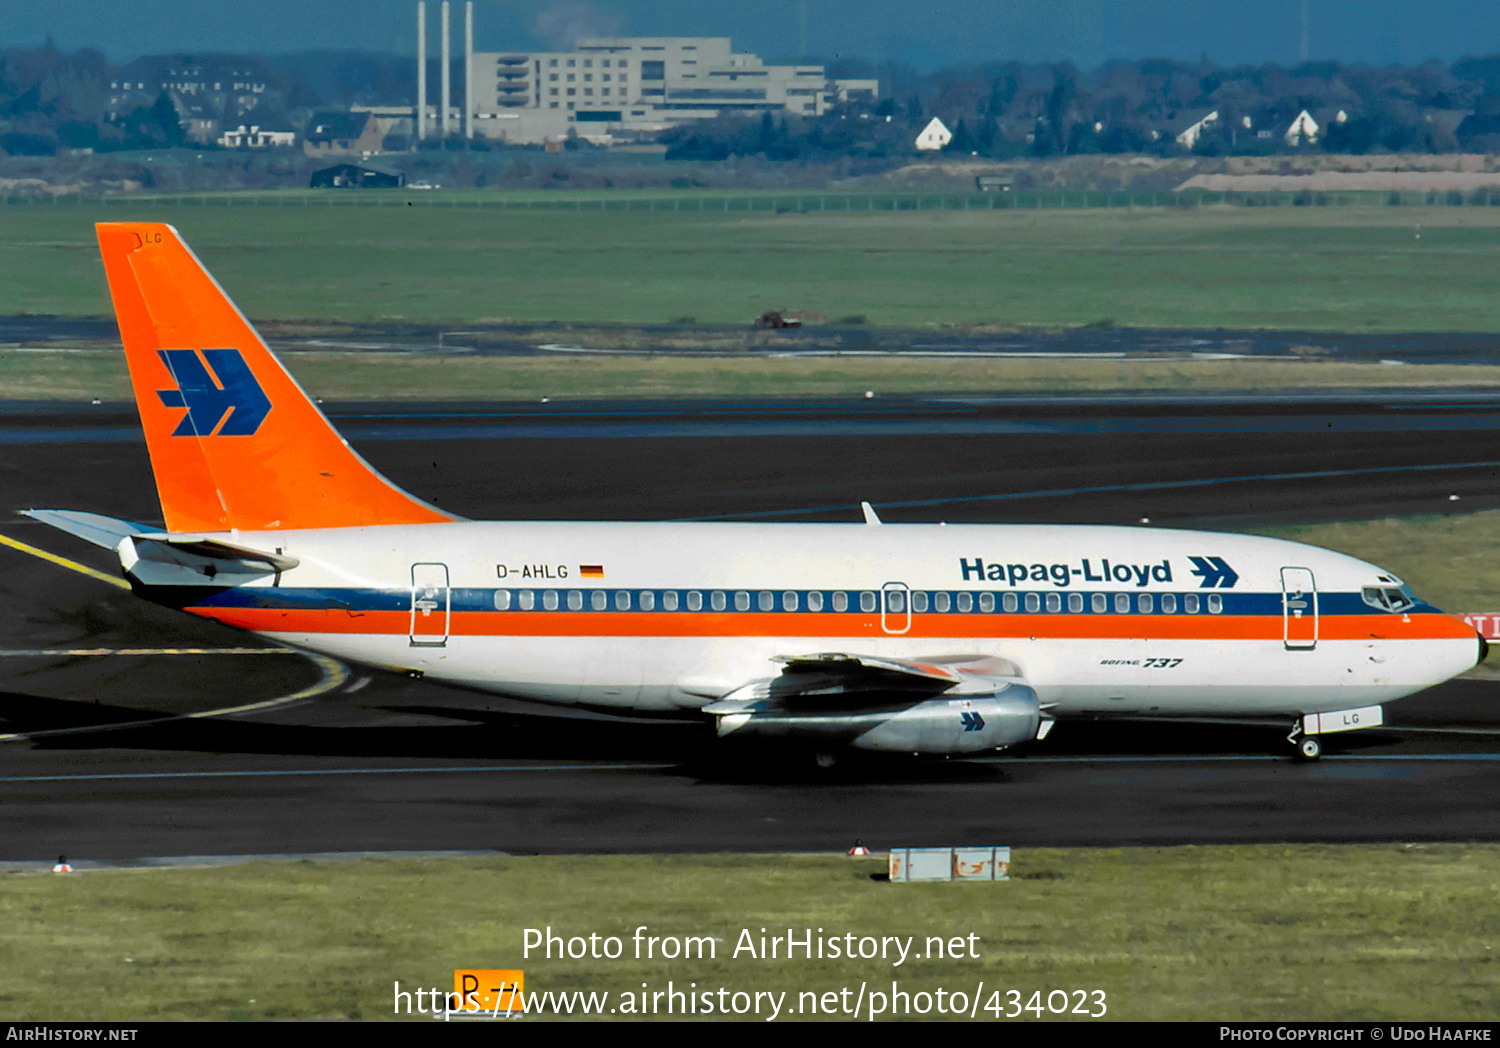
(776, 624)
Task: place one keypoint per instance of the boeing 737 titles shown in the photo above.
(902, 638)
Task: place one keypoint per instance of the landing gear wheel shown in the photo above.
(1309, 748)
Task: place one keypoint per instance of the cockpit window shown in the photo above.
(1388, 598)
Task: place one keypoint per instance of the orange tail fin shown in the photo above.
(235, 444)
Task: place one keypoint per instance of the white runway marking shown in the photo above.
(331, 771)
(1459, 757)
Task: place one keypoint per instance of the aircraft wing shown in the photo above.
(942, 704)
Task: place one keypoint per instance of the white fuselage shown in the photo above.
(1099, 620)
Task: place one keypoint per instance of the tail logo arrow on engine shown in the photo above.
(1214, 572)
(971, 721)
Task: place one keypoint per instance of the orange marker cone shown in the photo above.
(859, 848)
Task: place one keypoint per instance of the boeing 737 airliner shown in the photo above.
(903, 638)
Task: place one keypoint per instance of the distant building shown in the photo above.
(342, 134)
(254, 136)
(934, 136)
(225, 85)
(1303, 129)
(1198, 122)
(200, 123)
(358, 176)
(640, 84)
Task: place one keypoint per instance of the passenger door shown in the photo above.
(1299, 609)
(430, 605)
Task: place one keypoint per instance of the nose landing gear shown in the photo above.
(1308, 747)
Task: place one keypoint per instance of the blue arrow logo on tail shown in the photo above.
(236, 393)
(1214, 572)
(972, 721)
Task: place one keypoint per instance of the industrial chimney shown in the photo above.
(469, 69)
(421, 69)
(447, 70)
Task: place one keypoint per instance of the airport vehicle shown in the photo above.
(924, 639)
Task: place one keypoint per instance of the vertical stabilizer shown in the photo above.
(234, 442)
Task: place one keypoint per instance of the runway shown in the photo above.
(121, 763)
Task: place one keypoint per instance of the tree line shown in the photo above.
(52, 102)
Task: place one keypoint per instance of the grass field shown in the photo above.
(1266, 932)
(86, 373)
(1352, 269)
(1449, 560)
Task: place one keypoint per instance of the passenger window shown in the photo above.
(1215, 604)
(1009, 602)
(767, 600)
(1144, 604)
(1190, 603)
(1169, 604)
(840, 601)
(526, 599)
(575, 600)
(942, 602)
(966, 602)
(986, 602)
(694, 601)
(669, 600)
(549, 600)
(1033, 602)
(815, 601)
(741, 601)
(1122, 603)
(919, 602)
(1099, 603)
(717, 600)
(867, 602)
(502, 600)
(648, 600)
(1054, 602)
(1075, 603)
(598, 600)
(895, 602)
(789, 601)
(622, 600)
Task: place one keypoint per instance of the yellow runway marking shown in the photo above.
(335, 673)
(73, 565)
(71, 652)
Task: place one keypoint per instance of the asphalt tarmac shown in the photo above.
(112, 764)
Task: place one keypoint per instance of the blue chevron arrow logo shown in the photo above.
(972, 721)
(236, 393)
(1214, 572)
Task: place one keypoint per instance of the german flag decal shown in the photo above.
(591, 571)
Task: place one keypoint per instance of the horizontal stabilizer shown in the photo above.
(155, 558)
(91, 527)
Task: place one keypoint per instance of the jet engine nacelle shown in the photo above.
(965, 725)
(936, 726)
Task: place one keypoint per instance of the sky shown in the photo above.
(928, 34)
